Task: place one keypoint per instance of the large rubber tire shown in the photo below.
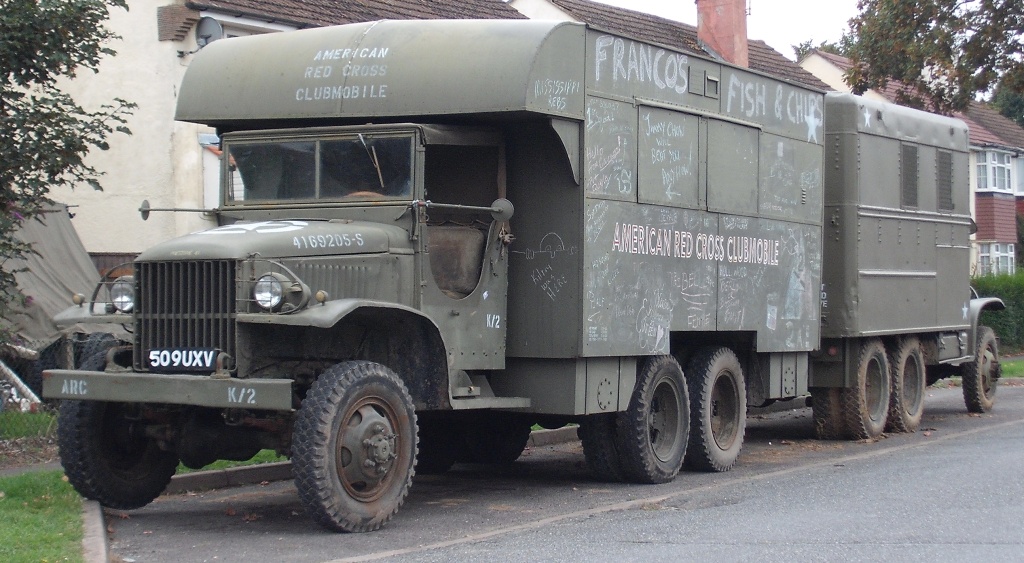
(440, 442)
(980, 377)
(107, 459)
(597, 434)
(96, 345)
(651, 434)
(827, 411)
(718, 410)
(866, 404)
(354, 447)
(496, 438)
(906, 401)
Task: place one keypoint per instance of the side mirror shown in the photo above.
(502, 210)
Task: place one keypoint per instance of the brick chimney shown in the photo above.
(722, 27)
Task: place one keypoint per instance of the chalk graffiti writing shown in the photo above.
(637, 62)
(670, 243)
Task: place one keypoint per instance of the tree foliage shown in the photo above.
(44, 134)
(941, 52)
(1010, 104)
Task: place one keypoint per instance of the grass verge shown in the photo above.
(15, 424)
(42, 518)
(264, 456)
(1012, 367)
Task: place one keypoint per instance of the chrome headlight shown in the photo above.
(122, 293)
(268, 291)
(278, 293)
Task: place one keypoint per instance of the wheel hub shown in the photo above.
(366, 451)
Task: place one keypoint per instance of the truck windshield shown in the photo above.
(364, 167)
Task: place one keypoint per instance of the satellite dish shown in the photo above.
(208, 30)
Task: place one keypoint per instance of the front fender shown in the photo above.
(326, 315)
(976, 306)
(81, 314)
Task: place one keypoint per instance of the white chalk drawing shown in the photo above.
(610, 156)
(549, 253)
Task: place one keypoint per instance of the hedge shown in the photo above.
(1009, 323)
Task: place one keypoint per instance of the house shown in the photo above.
(174, 165)
(996, 168)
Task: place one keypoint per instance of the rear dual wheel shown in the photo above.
(651, 434)
(906, 403)
(865, 405)
(718, 409)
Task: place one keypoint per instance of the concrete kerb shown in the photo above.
(94, 542)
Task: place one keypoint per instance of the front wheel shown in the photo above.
(107, 457)
(354, 446)
(980, 377)
(652, 432)
(718, 410)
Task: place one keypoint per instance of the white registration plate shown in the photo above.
(183, 359)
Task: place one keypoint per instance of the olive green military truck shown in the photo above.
(687, 239)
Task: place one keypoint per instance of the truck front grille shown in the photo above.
(184, 305)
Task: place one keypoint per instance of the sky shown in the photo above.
(780, 23)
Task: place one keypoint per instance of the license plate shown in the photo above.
(183, 359)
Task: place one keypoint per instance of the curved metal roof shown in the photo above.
(387, 68)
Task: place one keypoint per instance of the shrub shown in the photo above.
(1008, 324)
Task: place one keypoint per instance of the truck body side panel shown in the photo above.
(897, 221)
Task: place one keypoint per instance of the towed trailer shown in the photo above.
(436, 234)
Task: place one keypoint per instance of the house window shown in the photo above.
(997, 258)
(994, 171)
(1019, 176)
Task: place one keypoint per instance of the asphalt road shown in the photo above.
(950, 492)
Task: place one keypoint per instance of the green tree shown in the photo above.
(943, 52)
(44, 134)
(1010, 104)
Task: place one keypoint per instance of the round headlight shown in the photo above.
(122, 294)
(268, 292)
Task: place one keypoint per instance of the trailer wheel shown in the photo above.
(652, 432)
(981, 376)
(496, 438)
(107, 458)
(718, 410)
(354, 446)
(906, 402)
(866, 404)
(597, 434)
(827, 411)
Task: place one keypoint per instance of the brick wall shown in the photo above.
(996, 215)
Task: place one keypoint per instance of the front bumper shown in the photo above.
(173, 389)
